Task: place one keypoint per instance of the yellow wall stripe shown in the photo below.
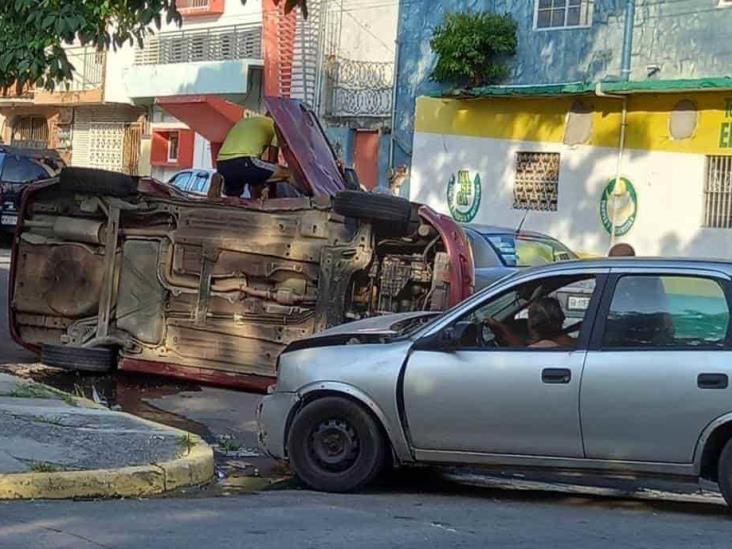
(543, 119)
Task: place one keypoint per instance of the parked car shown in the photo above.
(500, 251)
(111, 271)
(639, 386)
(195, 181)
(18, 168)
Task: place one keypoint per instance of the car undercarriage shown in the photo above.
(211, 290)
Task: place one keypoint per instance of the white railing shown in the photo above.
(211, 44)
(88, 71)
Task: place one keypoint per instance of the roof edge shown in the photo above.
(722, 83)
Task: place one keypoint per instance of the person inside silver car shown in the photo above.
(545, 327)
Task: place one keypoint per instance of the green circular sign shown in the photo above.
(619, 204)
(463, 196)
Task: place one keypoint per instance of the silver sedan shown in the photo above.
(631, 376)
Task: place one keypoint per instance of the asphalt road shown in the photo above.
(408, 520)
(413, 510)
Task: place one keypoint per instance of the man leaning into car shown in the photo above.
(240, 158)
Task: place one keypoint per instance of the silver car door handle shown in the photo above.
(556, 375)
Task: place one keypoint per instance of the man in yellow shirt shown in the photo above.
(240, 159)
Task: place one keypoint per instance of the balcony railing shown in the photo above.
(88, 69)
(213, 44)
(358, 88)
(191, 4)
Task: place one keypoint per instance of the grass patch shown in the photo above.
(36, 390)
(45, 467)
(228, 444)
(187, 442)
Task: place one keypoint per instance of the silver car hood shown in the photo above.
(369, 330)
(374, 325)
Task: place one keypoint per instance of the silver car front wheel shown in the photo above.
(335, 445)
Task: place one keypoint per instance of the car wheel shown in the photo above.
(724, 472)
(373, 207)
(81, 359)
(335, 445)
(97, 182)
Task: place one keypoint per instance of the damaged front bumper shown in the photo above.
(273, 414)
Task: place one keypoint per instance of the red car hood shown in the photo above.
(305, 146)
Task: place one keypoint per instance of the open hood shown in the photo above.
(305, 146)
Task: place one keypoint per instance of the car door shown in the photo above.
(494, 399)
(659, 366)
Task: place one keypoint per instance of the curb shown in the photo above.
(194, 468)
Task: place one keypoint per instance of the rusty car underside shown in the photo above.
(213, 290)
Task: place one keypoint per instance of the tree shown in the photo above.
(471, 48)
(33, 33)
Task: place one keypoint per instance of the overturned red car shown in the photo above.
(110, 271)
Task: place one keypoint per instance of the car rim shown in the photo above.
(334, 445)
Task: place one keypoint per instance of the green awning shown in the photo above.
(584, 88)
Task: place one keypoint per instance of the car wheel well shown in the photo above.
(712, 450)
(317, 395)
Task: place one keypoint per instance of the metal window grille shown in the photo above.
(358, 88)
(537, 181)
(30, 132)
(718, 193)
(559, 14)
(188, 4)
(213, 44)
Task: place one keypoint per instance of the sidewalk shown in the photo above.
(53, 445)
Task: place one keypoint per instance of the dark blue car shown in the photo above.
(18, 168)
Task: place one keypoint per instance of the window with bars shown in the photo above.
(562, 14)
(537, 181)
(718, 193)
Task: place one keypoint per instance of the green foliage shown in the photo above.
(471, 48)
(33, 32)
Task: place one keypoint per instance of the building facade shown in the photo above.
(340, 61)
(194, 81)
(77, 118)
(548, 146)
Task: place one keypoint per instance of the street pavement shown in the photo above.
(278, 520)
(412, 510)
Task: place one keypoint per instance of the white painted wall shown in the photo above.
(200, 78)
(669, 187)
(368, 30)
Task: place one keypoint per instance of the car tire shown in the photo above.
(335, 445)
(80, 359)
(97, 182)
(724, 472)
(382, 208)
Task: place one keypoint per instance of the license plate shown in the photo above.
(9, 219)
(578, 303)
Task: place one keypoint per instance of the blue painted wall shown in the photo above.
(685, 38)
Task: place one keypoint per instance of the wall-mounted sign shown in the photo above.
(463, 196)
(619, 206)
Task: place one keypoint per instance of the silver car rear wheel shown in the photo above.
(335, 445)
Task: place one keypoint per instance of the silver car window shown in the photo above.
(667, 311)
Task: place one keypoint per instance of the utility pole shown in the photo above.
(627, 39)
